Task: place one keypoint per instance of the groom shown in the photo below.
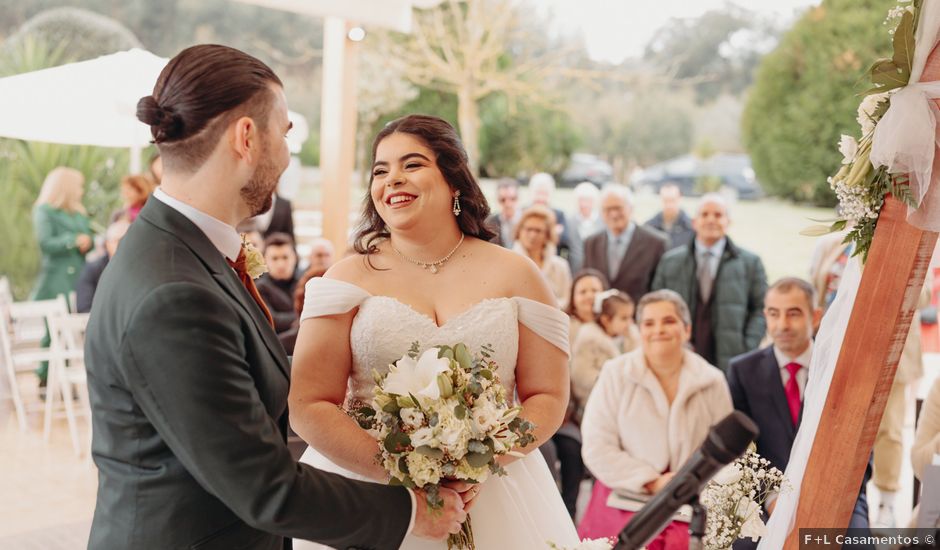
(187, 379)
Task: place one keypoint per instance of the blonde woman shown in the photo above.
(64, 236)
(536, 240)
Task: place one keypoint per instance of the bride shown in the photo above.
(425, 273)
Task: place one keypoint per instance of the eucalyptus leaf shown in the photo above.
(460, 412)
(903, 43)
(462, 356)
(479, 460)
(396, 442)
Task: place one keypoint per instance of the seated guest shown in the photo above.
(649, 411)
(625, 252)
(277, 285)
(613, 333)
(534, 239)
(768, 384)
(541, 189)
(723, 284)
(586, 220)
(88, 279)
(504, 222)
(672, 220)
(322, 254)
(567, 440)
(587, 284)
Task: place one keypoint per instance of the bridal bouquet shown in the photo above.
(734, 498)
(443, 415)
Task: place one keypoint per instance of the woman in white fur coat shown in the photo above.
(648, 412)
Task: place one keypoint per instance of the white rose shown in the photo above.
(412, 417)
(423, 470)
(424, 436)
(849, 148)
(753, 527)
(418, 378)
(866, 109)
(453, 434)
(728, 475)
(485, 416)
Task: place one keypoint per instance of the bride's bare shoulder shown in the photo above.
(353, 269)
(514, 272)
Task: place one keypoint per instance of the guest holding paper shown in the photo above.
(648, 412)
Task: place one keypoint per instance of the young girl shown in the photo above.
(613, 333)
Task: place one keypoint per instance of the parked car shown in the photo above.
(586, 167)
(726, 172)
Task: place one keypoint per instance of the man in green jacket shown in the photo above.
(723, 284)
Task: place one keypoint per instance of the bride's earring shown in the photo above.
(457, 204)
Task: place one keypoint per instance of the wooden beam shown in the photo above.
(337, 130)
(891, 282)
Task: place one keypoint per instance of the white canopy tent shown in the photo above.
(92, 102)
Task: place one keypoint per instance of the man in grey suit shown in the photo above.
(626, 253)
(187, 380)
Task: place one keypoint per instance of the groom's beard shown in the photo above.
(257, 193)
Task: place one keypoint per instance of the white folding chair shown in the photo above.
(67, 379)
(21, 326)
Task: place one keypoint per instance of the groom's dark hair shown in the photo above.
(198, 94)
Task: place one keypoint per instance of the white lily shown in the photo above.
(418, 378)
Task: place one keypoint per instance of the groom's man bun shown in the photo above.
(198, 94)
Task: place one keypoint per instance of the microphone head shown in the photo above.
(729, 438)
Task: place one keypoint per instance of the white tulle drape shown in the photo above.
(823, 365)
(905, 140)
(906, 137)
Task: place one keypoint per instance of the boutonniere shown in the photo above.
(254, 261)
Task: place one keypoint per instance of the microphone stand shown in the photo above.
(697, 525)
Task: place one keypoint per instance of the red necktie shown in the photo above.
(241, 269)
(792, 390)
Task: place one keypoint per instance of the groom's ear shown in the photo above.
(246, 140)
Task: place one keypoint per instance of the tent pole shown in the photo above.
(136, 151)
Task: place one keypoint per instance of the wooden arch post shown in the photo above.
(891, 282)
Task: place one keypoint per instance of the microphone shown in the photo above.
(726, 441)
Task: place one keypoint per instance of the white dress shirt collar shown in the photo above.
(803, 359)
(222, 235)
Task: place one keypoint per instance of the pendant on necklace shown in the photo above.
(432, 268)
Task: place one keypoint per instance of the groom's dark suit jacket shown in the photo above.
(757, 391)
(188, 387)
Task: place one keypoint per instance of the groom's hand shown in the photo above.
(437, 524)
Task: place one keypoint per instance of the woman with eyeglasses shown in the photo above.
(536, 239)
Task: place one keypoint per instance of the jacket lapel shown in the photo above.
(168, 219)
(633, 248)
(601, 251)
(770, 372)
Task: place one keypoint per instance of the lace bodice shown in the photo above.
(384, 329)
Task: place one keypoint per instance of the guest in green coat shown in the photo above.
(64, 236)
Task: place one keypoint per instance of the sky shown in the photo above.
(617, 29)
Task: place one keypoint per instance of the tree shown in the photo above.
(806, 95)
(716, 52)
(472, 50)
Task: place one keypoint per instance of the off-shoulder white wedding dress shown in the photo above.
(522, 510)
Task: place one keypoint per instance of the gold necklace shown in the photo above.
(433, 267)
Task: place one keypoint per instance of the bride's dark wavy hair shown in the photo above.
(452, 160)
